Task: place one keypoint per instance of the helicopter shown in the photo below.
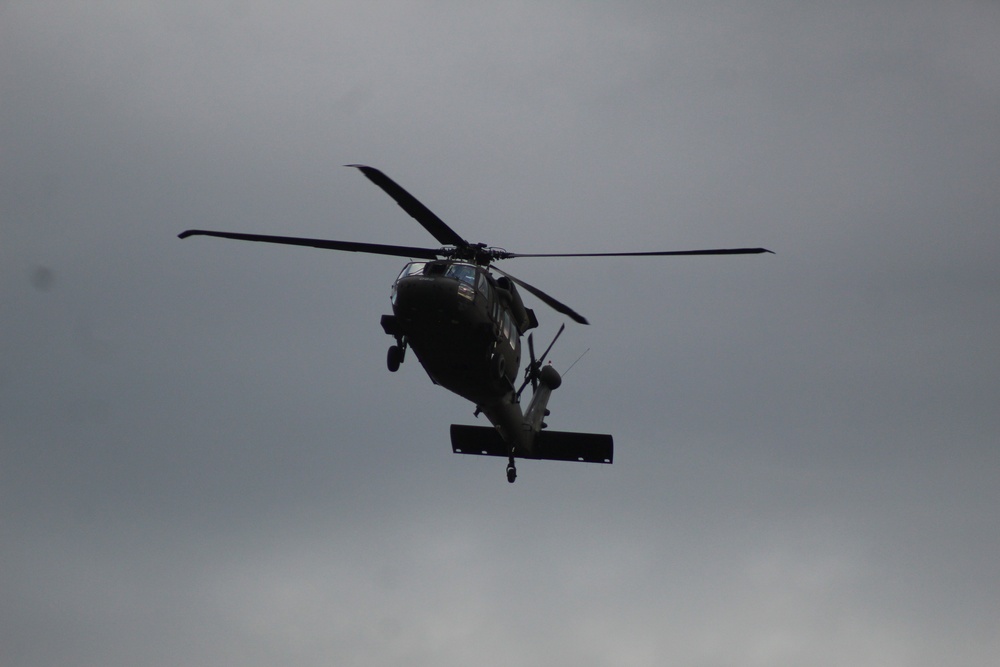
(464, 319)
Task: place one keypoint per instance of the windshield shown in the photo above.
(412, 269)
(464, 272)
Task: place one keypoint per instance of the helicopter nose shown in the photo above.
(427, 296)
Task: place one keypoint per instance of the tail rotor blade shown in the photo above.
(541, 360)
(534, 368)
(530, 372)
(534, 363)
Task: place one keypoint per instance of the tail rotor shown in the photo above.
(534, 368)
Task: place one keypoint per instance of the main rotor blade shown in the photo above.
(349, 246)
(435, 225)
(714, 251)
(552, 303)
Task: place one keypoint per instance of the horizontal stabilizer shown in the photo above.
(549, 445)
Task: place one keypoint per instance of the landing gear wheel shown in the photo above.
(511, 473)
(394, 358)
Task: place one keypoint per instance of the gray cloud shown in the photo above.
(204, 461)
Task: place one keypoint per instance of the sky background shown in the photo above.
(203, 460)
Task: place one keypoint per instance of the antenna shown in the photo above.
(574, 363)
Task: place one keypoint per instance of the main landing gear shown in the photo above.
(511, 471)
(394, 357)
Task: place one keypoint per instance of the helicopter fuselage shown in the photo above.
(464, 325)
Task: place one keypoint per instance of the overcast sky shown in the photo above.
(205, 461)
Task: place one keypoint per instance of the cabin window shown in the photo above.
(506, 325)
(484, 285)
(464, 272)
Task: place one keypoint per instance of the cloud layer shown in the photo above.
(204, 461)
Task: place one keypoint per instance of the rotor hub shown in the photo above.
(478, 253)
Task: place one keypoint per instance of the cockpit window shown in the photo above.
(464, 272)
(412, 269)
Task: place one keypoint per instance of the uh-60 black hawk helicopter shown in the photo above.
(465, 325)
